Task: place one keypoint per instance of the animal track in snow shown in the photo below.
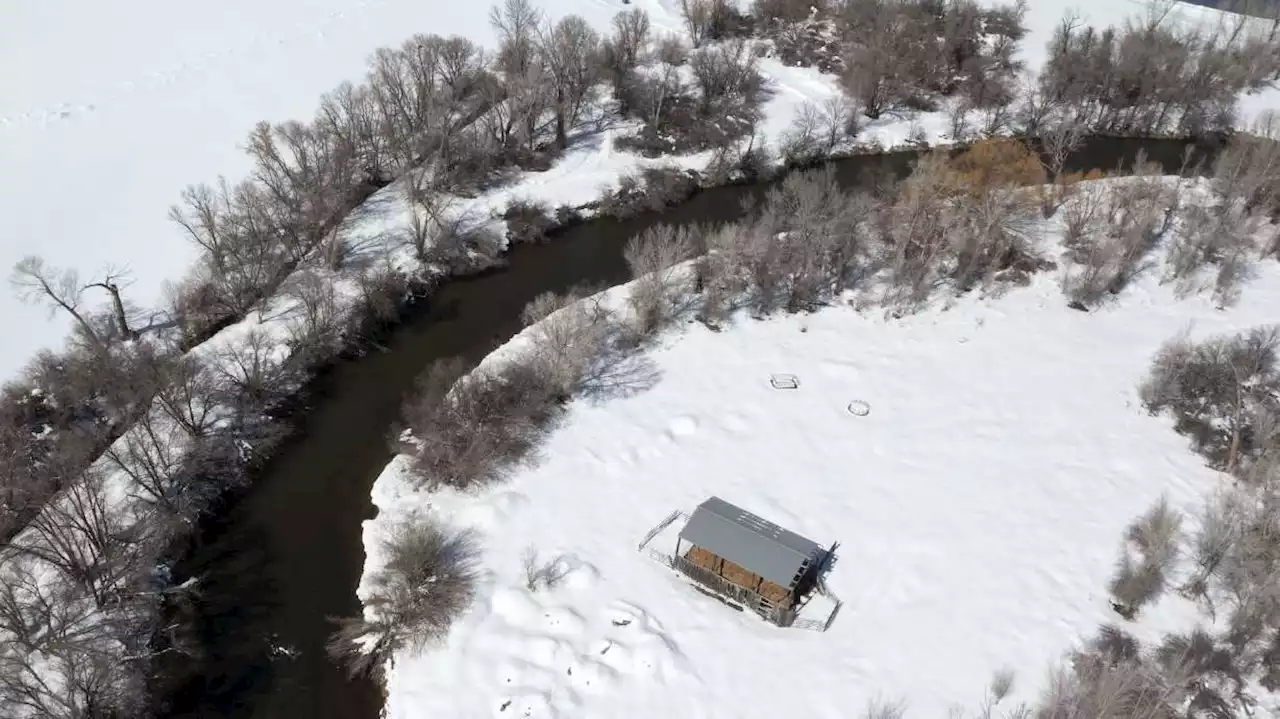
(553, 655)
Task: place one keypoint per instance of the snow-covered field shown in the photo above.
(109, 110)
(979, 505)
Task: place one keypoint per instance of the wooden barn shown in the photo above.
(749, 560)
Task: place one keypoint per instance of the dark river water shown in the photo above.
(286, 556)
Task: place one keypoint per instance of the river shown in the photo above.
(280, 560)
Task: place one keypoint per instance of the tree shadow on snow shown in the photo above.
(619, 372)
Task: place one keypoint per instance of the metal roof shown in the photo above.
(749, 541)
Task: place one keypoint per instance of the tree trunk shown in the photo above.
(122, 321)
(562, 137)
(1233, 451)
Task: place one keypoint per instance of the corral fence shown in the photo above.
(821, 625)
(666, 522)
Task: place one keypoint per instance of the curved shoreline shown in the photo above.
(499, 511)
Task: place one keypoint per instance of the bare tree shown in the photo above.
(238, 229)
(516, 23)
(413, 111)
(110, 282)
(805, 245)
(1058, 139)
(424, 212)
(876, 56)
(316, 323)
(82, 538)
(36, 282)
(622, 50)
(705, 19)
(253, 367)
(1221, 392)
(351, 113)
(93, 683)
(571, 50)
(308, 173)
(188, 395)
(728, 77)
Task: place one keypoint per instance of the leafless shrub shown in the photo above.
(807, 242)
(885, 709)
(916, 232)
(473, 431)
(1217, 529)
(253, 368)
(991, 211)
(1130, 218)
(728, 78)
(1112, 679)
(655, 189)
(1235, 556)
(315, 321)
(749, 161)
(427, 581)
(1212, 677)
(817, 130)
(1221, 392)
(660, 287)
(542, 575)
(570, 340)
(383, 289)
(720, 107)
(822, 236)
(997, 691)
(1248, 170)
(1149, 555)
(1224, 237)
(527, 222)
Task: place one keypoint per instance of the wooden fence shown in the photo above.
(666, 522)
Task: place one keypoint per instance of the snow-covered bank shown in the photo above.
(145, 98)
(980, 506)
